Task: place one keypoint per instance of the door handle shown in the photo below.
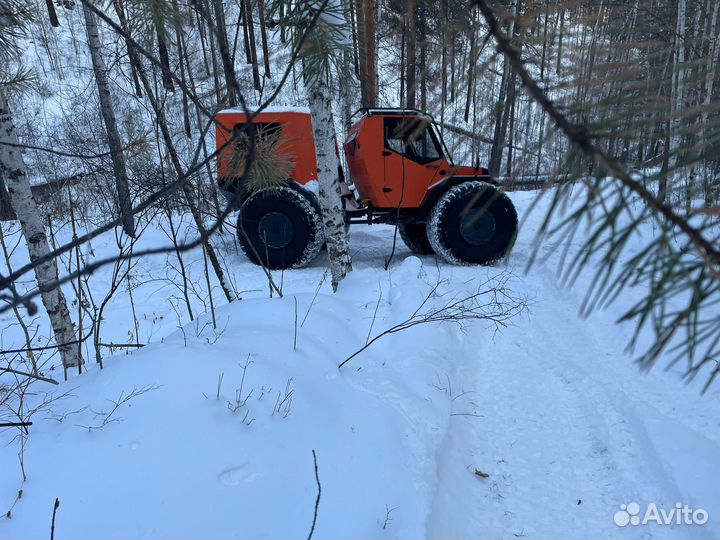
(386, 153)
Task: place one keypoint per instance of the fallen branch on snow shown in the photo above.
(492, 302)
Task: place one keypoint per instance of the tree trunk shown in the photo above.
(560, 42)
(504, 106)
(423, 72)
(120, 10)
(362, 51)
(52, 13)
(165, 61)
(6, 210)
(246, 39)
(410, 8)
(678, 89)
(371, 33)
(117, 155)
(250, 26)
(222, 40)
(471, 70)
(263, 38)
(366, 34)
(713, 56)
(320, 100)
(13, 172)
(182, 60)
(346, 90)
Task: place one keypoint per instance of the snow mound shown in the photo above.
(229, 418)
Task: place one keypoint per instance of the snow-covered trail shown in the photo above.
(568, 429)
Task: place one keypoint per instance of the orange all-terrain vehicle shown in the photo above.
(400, 173)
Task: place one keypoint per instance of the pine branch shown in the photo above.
(581, 137)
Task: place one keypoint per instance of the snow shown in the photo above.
(551, 408)
(268, 109)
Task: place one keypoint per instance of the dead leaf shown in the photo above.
(481, 474)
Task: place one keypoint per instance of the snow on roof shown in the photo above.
(272, 109)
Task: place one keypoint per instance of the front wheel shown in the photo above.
(414, 234)
(280, 228)
(473, 223)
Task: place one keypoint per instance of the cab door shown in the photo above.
(412, 160)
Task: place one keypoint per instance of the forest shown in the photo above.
(343, 268)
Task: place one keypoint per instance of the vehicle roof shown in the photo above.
(272, 109)
(391, 111)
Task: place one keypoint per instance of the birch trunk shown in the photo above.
(13, 172)
(320, 100)
(6, 211)
(346, 91)
(106, 109)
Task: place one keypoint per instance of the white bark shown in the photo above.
(320, 97)
(113, 135)
(13, 172)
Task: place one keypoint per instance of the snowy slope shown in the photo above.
(550, 408)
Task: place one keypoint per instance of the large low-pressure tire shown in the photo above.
(280, 228)
(414, 234)
(473, 223)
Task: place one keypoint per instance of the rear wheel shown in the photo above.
(473, 223)
(280, 228)
(415, 237)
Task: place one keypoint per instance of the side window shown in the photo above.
(268, 145)
(262, 131)
(413, 138)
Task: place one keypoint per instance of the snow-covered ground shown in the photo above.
(539, 429)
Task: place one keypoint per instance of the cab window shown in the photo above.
(413, 138)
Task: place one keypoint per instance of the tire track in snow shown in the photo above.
(562, 449)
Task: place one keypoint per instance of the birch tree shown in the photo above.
(320, 101)
(106, 109)
(15, 17)
(321, 31)
(14, 173)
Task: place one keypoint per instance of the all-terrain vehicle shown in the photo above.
(400, 173)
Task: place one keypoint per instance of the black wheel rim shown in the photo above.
(276, 230)
(477, 226)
